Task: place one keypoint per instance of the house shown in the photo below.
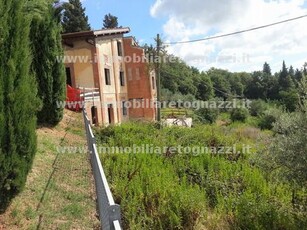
(95, 64)
(141, 82)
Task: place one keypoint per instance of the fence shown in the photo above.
(109, 212)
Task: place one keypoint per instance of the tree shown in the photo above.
(18, 101)
(110, 21)
(285, 80)
(291, 71)
(204, 88)
(272, 87)
(256, 87)
(286, 157)
(289, 99)
(298, 76)
(177, 76)
(288, 151)
(74, 18)
(236, 85)
(267, 69)
(220, 80)
(49, 72)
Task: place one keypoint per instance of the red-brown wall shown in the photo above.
(139, 81)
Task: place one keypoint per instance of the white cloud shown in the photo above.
(201, 18)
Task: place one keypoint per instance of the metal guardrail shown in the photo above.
(109, 212)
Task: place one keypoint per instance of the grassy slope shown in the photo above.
(67, 202)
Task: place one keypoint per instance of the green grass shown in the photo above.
(194, 191)
(67, 201)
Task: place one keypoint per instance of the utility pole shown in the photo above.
(158, 59)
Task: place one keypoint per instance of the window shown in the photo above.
(153, 82)
(110, 114)
(130, 74)
(137, 73)
(122, 78)
(107, 76)
(125, 112)
(119, 49)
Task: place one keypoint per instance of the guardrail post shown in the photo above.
(114, 214)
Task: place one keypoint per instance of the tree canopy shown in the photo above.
(110, 21)
(50, 75)
(179, 78)
(18, 101)
(74, 17)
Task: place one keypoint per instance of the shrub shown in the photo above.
(286, 158)
(207, 115)
(289, 99)
(289, 146)
(257, 107)
(181, 191)
(269, 117)
(239, 114)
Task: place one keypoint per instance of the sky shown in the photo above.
(181, 20)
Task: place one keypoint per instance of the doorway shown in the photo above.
(68, 76)
(111, 114)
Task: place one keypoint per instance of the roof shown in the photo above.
(97, 33)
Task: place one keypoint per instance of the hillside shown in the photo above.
(59, 190)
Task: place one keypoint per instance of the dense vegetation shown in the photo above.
(74, 17)
(30, 80)
(180, 81)
(221, 188)
(18, 102)
(50, 76)
(224, 190)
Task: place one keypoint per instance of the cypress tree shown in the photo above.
(74, 18)
(18, 101)
(285, 80)
(291, 71)
(49, 72)
(3, 31)
(267, 69)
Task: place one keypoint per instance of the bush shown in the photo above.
(290, 100)
(257, 107)
(289, 146)
(285, 161)
(239, 114)
(207, 115)
(269, 117)
(180, 191)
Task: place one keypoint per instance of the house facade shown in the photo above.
(95, 64)
(141, 82)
